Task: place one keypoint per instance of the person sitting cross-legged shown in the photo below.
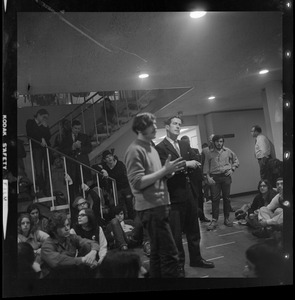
(87, 227)
(271, 216)
(124, 234)
(65, 255)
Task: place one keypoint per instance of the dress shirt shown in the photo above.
(218, 162)
(262, 146)
(174, 144)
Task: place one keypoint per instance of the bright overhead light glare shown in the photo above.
(183, 129)
(197, 14)
(144, 75)
(211, 97)
(263, 71)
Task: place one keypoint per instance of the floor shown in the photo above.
(224, 246)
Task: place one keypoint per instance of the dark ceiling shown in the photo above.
(219, 54)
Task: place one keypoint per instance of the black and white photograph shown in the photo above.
(147, 147)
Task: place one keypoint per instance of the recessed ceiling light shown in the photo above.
(211, 97)
(263, 71)
(197, 14)
(143, 75)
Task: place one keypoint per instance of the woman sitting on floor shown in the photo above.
(87, 227)
(27, 232)
(39, 220)
(248, 213)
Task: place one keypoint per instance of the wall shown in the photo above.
(239, 123)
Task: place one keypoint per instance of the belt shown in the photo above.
(218, 175)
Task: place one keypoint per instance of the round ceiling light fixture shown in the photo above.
(197, 14)
(264, 71)
(143, 75)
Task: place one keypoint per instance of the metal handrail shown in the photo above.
(76, 108)
(75, 161)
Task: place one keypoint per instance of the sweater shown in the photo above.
(141, 158)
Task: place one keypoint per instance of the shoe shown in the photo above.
(228, 223)
(204, 219)
(181, 272)
(202, 263)
(212, 225)
(147, 249)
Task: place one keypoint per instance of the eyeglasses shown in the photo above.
(82, 203)
(263, 185)
(82, 215)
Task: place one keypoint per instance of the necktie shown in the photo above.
(176, 146)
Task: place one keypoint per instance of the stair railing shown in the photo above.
(81, 166)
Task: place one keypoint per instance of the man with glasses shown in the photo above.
(262, 150)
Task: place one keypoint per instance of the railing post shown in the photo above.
(114, 186)
(50, 178)
(33, 168)
(99, 194)
(82, 180)
(83, 120)
(67, 185)
(95, 126)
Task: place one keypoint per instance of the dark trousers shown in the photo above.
(184, 219)
(222, 185)
(164, 254)
(263, 169)
(41, 170)
(125, 199)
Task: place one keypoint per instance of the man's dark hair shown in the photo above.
(76, 122)
(41, 112)
(168, 121)
(257, 128)
(217, 137)
(142, 121)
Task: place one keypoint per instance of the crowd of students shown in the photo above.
(159, 187)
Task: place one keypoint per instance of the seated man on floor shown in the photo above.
(124, 234)
(65, 255)
(271, 216)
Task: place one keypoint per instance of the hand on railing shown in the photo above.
(43, 142)
(68, 178)
(85, 187)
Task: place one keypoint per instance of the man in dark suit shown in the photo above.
(77, 145)
(183, 196)
(198, 175)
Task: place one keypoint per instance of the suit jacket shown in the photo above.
(80, 154)
(177, 184)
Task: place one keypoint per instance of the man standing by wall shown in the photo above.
(184, 196)
(262, 150)
(219, 165)
(147, 179)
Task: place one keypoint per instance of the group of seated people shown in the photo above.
(78, 248)
(265, 213)
(58, 247)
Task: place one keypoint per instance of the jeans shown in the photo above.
(222, 185)
(164, 254)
